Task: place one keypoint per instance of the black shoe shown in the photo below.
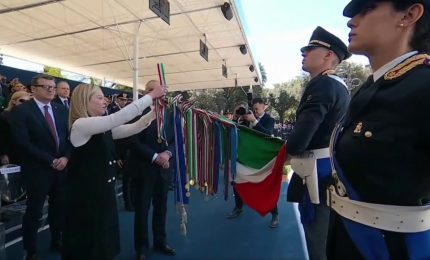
(56, 245)
(235, 213)
(274, 222)
(140, 256)
(32, 256)
(164, 248)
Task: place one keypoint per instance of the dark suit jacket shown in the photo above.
(58, 100)
(265, 124)
(4, 97)
(6, 145)
(5, 137)
(144, 145)
(33, 139)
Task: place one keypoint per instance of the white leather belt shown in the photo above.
(403, 219)
(305, 166)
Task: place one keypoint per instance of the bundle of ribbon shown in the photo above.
(206, 142)
(160, 104)
(212, 143)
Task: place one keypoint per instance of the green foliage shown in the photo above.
(282, 103)
(96, 82)
(257, 91)
(284, 98)
(55, 72)
(220, 100)
(124, 88)
(263, 73)
(205, 99)
(354, 74)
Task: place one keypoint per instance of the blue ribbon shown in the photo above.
(306, 207)
(217, 153)
(180, 169)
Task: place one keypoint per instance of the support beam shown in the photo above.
(29, 6)
(136, 63)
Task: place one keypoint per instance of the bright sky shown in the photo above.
(277, 29)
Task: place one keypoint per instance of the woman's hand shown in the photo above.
(158, 91)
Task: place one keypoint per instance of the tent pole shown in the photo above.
(136, 63)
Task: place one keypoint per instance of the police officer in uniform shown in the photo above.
(382, 148)
(322, 105)
(119, 102)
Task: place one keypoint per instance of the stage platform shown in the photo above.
(210, 234)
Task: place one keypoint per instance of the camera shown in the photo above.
(241, 111)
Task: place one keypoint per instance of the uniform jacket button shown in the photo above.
(368, 134)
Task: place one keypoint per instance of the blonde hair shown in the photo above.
(79, 101)
(15, 96)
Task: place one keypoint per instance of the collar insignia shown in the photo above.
(329, 72)
(407, 65)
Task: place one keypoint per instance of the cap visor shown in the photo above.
(308, 47)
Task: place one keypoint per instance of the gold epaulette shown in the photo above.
(407, 65)
(329, 72)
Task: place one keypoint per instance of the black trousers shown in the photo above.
(239, 202)
(150, 187)
(39, 186)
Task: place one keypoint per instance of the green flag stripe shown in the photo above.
(256, 149)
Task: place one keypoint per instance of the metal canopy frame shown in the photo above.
(122, 40)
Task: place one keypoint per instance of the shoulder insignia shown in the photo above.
(407, 65)
(329, 72)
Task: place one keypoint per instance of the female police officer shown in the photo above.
(381, 149)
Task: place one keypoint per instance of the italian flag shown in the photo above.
(260, 165)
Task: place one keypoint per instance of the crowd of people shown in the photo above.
(353, 158)
(52, 135)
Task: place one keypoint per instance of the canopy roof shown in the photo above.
(96, 38)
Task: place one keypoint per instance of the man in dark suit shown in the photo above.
(260, 120)
(322, 105)
(4, 93)
(63, 94)
(264, 123)
(150, 160)
(40, 131)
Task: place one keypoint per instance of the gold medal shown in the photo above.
(192, 182)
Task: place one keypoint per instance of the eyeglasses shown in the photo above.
(46, 87)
